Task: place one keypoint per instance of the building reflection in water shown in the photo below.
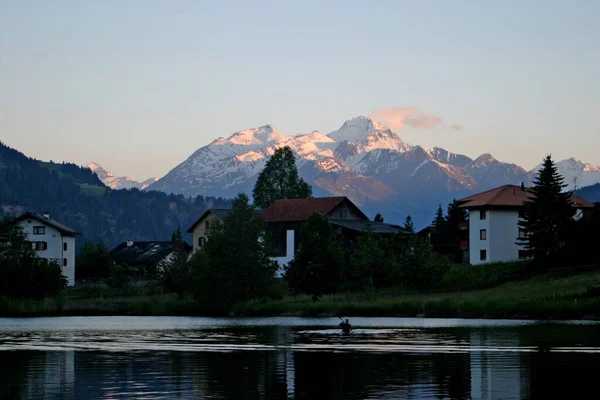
(497, 374)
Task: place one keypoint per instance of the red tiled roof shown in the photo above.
(509, 196)
(293, 210)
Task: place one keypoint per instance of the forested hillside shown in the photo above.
(590, 193)
(75, 196)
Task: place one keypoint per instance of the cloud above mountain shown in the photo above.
(397, 118)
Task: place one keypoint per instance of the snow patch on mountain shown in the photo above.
(574, 171)
(118, 182)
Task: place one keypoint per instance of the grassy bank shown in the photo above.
(554, 296)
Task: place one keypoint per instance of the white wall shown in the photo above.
(505, 230)
(55, 250)
(502, 232)
(475, 244)
(289, 252)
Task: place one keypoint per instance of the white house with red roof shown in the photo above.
(493, 223)
(51, 240)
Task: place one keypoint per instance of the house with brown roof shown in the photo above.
(285, 217)
(493, 223)
(200, 229)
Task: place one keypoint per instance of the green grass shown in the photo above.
(544, 297)
(53, 166)
(552, 296)
(92, 190)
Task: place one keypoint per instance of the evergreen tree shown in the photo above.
(378, 218)
(280, 180)
(408, 224)
(318, 266)
(233, 265)
(547, 215)
(453, 235)
(439, 220)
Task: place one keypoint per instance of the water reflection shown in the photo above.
(304, 359)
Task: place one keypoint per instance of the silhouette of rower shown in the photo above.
(346, 327)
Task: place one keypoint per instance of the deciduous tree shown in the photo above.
(233, 265)
(318, 266)
(280, 180)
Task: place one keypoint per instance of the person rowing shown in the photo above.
(346, 327)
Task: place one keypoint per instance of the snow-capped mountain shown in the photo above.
(363, 160)
(575, 171)
(118, 182)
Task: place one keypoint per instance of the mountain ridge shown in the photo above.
(363, 160)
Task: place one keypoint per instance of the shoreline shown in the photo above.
(564, 297)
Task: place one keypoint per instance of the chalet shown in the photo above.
(144, 257)
(493, 223)
(285, 217)
(200, 228)
(51, 240)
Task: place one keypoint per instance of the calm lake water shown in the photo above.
(296, 358)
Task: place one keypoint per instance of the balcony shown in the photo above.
(463, 226)
(464, 244)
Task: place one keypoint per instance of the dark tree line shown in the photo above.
(115, 216)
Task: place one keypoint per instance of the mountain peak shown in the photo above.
(101, 172)
(263, 135)
(357, 129)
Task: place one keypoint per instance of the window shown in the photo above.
(64, 247)
(482, 255)
(522, 234)
(207, 225)
(39, 246)
(201, 241)
(64, 262)
(524, 254)
(482, 234)
(343, 214)
(482, 214)
(39, 230)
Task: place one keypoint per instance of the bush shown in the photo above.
(466, 276)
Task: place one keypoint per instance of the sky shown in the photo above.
(138, 86)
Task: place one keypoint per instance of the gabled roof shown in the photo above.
(143, 252)
(63, 229)
(509, 196)
(295, 210)
(359, 225)
(220, 213)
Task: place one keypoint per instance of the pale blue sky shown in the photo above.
(137, 86)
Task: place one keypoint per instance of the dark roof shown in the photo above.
(359, 225)
(63, 229)
(509, 196)
(293, 210)
(220, 213)
(143, 252)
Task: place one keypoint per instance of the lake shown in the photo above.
(296, 358)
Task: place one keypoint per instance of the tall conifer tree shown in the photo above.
(547, 215)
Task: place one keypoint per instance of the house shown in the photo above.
(493, 223)
(199, 229)
(285, 217)
(51, 240)
(145, 257)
